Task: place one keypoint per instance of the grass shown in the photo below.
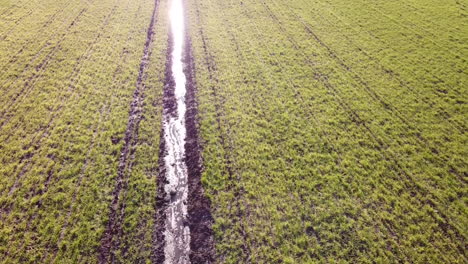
(334, 131)
(69, 70)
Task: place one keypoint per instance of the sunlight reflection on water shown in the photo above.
(177, 234)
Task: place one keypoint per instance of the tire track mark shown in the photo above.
(110, 238)
(104, 114)
(458, 55)
(13, 6)
(16, 23)
(71, 89)
(429, 73)
(199, 206)
(334, 148)
(218, 99)
(16, 56)
(240, 212)
(394, 75)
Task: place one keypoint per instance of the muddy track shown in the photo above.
(169, 105)
(199, 219)
(110, 238)
(199, 211)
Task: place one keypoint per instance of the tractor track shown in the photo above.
(181, 186)
(397, 167)
(45, 132)
(111, 236)
(44, 27)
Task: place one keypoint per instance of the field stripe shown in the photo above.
(111, 236)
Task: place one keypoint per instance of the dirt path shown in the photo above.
(184, 219)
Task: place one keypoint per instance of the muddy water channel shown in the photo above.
(177, 233)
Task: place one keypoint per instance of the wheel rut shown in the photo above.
(183, 233)
(110, 240)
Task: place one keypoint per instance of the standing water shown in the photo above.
(177, 233)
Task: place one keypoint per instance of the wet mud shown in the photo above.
(183, 233)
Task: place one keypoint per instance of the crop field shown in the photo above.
(334, 131)
(310, 131)
(68, 76)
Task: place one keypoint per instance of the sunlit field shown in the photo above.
(68, 75)
(229, 131)
(334, 131)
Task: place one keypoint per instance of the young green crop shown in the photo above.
(68, 75)
(333, 131)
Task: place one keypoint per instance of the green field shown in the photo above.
(332, 131)
(68, 74)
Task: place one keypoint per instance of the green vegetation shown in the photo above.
(68, 73)
(334, 131)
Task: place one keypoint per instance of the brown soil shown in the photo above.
(169, 106)
(199, 212)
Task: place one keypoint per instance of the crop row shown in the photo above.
(327, 132)
(69, 73)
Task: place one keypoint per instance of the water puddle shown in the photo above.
(177, 233)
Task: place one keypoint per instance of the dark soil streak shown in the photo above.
(198, 205)
(169, 106)
(199, 211)
(110, 237)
